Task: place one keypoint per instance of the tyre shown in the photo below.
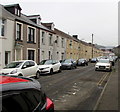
(60, 69)
(20, 75)
(51, 71)
(37, 75)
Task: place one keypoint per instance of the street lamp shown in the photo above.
(92, 45)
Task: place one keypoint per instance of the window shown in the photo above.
(50, 39)
(7, 57)
(18, 32)
(32, 63)
(43, 55)
(20, 105)
(49, 53)
(62, 56)
(62, 42)
(57, 40)
(31, 54)
(3, 27)
(71, 44)
(17, 12)
(31, 35)
(43, 37)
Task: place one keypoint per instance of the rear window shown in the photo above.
(25, 101)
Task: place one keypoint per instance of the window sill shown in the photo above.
(19, 40)
(31, 42)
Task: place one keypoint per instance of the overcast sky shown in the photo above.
(81, 17)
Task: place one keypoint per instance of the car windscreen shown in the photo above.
(46, 62)
(67, 61)
(104, 61)
(81, 60)
(14, 65)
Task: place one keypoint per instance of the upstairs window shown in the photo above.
(31, 35)
(17, 12)
(2, 27)
(50, 39)
(43, 37)
(62, 42)
(18, 32)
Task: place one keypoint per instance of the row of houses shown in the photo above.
(26, 37)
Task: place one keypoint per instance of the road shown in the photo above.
(77, 89)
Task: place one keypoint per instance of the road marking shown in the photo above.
(102, 79)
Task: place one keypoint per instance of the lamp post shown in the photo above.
(92, 45)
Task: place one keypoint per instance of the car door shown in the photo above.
(33, 67)
(26, 69)
(54, 65)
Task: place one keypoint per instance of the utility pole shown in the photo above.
(92, 45)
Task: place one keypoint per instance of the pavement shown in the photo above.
(108, 99)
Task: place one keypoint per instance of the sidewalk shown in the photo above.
(109, 96)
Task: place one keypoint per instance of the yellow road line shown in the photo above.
(102, 79)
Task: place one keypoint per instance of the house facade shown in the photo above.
(25, 37)
(6, 37)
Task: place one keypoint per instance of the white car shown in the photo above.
(103, 64)
(26, 68)
(49, 66)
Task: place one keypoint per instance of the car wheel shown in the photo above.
(60, 69)
(20, 75)
(37, 75)
(51, 71)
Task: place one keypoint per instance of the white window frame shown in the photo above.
(28, 26)
(2, 24)
(21, 30)
(43, 38)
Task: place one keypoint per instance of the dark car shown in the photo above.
(81, 62)
(94, 60)
(21, 94)
(68, 64)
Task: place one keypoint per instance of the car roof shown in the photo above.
(13, 83)
(22, 60)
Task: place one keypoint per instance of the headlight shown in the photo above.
(96, 66)
(107, 66)
(46, 67)
(13, 72)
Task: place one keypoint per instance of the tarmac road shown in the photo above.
(76, 89)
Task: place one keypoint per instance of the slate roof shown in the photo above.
(23, 18)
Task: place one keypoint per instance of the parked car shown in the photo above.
(103, 64)
(20, 94)
(49, 66)
(26, 68)
(94, 60)
(112, 60)
(82, 62)
(68, 64)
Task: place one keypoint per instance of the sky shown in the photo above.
(77, 17)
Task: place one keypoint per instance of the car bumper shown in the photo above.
(44, 71)
(65, 67)
(103, 68)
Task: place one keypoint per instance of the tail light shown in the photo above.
(50, 105)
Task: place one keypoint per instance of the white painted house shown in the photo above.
(6, 37)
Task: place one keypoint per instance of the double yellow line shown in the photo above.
(102, 79)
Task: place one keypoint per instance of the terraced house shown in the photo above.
(25, 37)
(6, 37)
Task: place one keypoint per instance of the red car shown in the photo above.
(21, 94)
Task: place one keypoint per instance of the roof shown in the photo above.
(13, 83)
(23, 18)
(13, 5)
(63, 34)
